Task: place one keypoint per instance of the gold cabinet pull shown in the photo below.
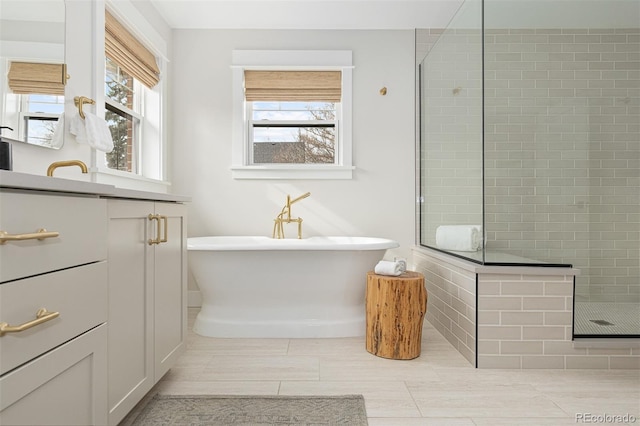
(41, 234)
(166, 221)
(42, 316)
(156, 240)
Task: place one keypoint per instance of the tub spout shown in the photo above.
(285, 217)
(295, 200)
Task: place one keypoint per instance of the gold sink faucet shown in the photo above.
(67, 163)
(285, 217)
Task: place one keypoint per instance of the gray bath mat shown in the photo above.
(228, 410)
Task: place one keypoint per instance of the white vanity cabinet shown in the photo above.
(92, 298)
(53, 308)
(147, 297)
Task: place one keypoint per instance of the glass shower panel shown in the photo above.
(451, 137)
(562, 149)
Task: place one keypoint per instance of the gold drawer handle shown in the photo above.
(165, 219)
(41, 234)
(157, 239)
(159, 229)
(41, 316)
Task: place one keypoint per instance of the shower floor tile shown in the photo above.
(603, 318)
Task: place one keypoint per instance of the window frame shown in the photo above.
(284, 60)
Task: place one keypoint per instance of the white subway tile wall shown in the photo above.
(562, 153)
(451, 303)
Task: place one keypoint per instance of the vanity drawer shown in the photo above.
(81, 224)
(79, 295)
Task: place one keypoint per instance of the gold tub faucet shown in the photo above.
(67, 163)
(285, 217)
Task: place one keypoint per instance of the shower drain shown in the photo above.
(601, 322)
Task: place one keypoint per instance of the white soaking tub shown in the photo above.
(287, 288)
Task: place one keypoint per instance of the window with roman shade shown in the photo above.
(37, 78)
(40, 100)
(132, 93)
(292, 114)
(124, 49)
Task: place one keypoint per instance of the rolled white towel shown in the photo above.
(386, 267)
(459, 237)
(402, 263)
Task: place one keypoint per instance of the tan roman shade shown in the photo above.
(123, 48)
(292, 85)
(31, 77)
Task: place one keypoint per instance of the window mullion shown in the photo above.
(292, 123)
(123, 108)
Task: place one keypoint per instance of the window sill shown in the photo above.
(272, 171)
(128, 180)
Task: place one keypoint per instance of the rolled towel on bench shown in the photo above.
(386, 267)
(459, 237)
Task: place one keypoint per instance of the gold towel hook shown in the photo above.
(78, 101)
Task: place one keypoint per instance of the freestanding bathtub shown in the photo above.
(288, 288)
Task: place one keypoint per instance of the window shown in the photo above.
(292, 132)
(132, 99)
(292, 115)
(40, 115)
(123, 115)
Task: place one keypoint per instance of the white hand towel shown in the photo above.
(98, 133)
(92, 131)
(459, 237)
(386, 267)
(76, 128)
(57, 140)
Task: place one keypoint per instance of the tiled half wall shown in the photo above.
(513, 317)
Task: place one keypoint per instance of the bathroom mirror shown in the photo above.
(32, 57)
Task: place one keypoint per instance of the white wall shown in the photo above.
(378, 201)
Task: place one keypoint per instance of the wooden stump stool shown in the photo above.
(395, 311)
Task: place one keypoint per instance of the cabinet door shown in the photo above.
(65, 386)
(130, 320)
(170, 291)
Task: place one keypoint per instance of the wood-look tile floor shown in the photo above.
(438, 388)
